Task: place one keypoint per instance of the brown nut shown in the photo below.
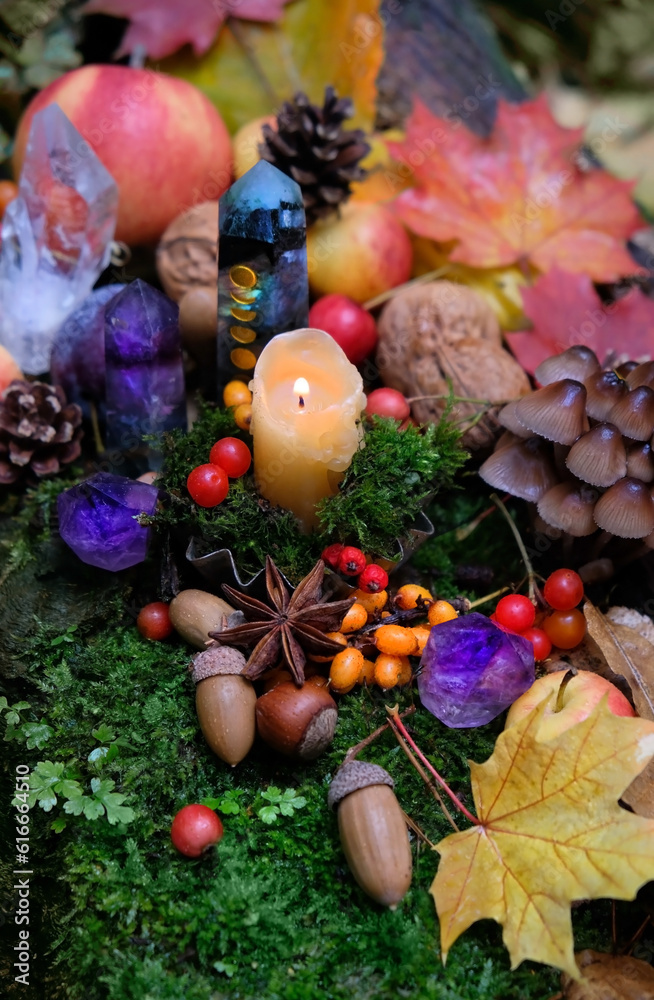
(187, 256)
(298, 722)
(225, 702)
(195, 613)
(373, 831)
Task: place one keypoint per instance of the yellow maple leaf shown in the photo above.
(550, 832)
(253, 67)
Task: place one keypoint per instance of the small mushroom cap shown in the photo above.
(578, 362)
(603, 391)
(569, 506)
(626, 509)
(640, 462)
(508, 419)
(557, 412)
(353, 775)
(216, 660)
(633, 415)
(522, 469)
(642, 374)
(599, 457)
(505, 439)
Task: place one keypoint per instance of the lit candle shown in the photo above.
(306, 410)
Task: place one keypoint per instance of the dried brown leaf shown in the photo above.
(628, 654)
(609, 977)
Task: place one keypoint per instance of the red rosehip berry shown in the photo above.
(540, 641)
(195, 829)
(387, 403)
(563, 589)
(515, 612)
(332, 554)
(351, 561)
(351, 326)
(373, 579)
(232, 455)
(208, 485)
(154, 622)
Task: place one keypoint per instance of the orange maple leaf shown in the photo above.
(518, 195)
(550, 831)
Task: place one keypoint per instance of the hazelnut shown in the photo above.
(373, 831)
(298, 722)
(195, 613)
(225, 702)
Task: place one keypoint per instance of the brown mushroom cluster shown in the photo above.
(580, 447)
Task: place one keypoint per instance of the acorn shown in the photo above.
(195, 613)
(225, 702)
(373, 831)
(297, 721)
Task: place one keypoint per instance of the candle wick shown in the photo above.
(301, 403)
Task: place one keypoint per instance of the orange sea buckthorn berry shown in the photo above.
(406, 672)
(407, 596)
(371, 602)
(389, 669)
(243, 416)
(356, 617)
(367, 674)
(337, 637)
(422, 633)
(345, 669)
(395, 639)
(318, 680)
(235, 393)
(439, 612)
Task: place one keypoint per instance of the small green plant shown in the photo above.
(280, 803)
(34, 734)
(50, 779)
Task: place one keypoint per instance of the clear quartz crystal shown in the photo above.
(56, 237)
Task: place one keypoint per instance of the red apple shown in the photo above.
(162, 141)
(580, 695)
(351, 326)
(360, 253)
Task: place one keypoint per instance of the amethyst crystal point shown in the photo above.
(471, 670)
(144, 375)
(97, 520)
(56, 237)
(77, 360)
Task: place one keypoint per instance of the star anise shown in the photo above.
(294, 626)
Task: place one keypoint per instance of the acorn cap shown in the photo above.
(642, 374)
(640, 462)
(633, 415)
(522, 469)
(216, 660)
(569, 506)
(353, 775)
(508, 419)
(578, 362)
(626, 510)
(599, 457)
(603, 391)
(557, 412)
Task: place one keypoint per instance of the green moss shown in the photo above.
(274, 912)
(382, 492)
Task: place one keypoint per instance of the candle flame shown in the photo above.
(301, 387)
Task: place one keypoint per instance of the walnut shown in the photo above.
(187, 256)
(439, 331)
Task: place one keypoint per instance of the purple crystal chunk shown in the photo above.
(144, 373)
(471, 670)
(77, 360)
(97, 520)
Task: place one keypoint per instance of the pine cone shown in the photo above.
(312, 147)
(38, 432)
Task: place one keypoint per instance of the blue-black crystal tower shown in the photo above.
(263, 285)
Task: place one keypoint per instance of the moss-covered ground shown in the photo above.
(273, 913)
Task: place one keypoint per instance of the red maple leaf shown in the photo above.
(516, 196)
(163, 26)
(565, 309)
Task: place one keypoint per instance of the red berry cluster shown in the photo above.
(350, 561)
(209, 484)
(564, 628)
